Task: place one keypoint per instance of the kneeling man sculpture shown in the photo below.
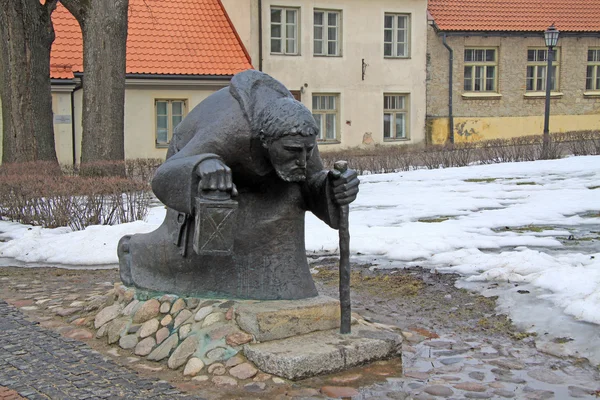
(241, 170)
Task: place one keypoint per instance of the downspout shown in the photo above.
(260, 38)
(76, 88)
(450, 103)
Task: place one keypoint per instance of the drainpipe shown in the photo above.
(450, 75)
(260, 38)
(76, 88)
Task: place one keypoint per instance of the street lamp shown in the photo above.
(551, 37)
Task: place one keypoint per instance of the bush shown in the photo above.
(384, 158)
(40, 194)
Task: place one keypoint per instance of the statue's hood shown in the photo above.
(254, 90)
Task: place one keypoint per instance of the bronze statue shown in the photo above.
(241, 170)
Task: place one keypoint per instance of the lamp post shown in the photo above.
(551, 37)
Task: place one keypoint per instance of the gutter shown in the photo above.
(450, 86)
(77, 87)
(260, 37)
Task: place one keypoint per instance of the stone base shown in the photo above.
(280, 319)
(293, 339)
(325, 352)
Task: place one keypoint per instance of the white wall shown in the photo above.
(361, 110)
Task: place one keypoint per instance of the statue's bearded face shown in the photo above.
(289, 156)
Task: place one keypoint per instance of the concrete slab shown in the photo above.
(323, 352)
(279, 319)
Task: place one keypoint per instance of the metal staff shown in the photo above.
(345, 306)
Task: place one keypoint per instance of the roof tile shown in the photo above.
(175, 37)
(516, 15)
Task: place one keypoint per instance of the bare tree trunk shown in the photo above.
(26, 38)
(104, 27)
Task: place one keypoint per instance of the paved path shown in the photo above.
(41, 364)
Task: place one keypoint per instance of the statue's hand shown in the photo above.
(345, 186)
(215, 175)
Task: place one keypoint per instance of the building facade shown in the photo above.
(359, 66)
(174, 61)
(499, 69)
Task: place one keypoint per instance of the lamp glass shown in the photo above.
(551, 36)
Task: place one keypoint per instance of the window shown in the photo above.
(480, 70)
(592, 80)
(537, 64)
(325, 112)
(284, 30)
(327, 33)
(169, 113)
(395, 115)
(396, 35)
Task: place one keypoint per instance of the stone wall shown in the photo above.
(571, 98)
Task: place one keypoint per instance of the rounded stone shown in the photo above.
(149, 327)
(162, 334)
(148, 310)
(213, 319)
(238, 338)
(164, 349)
(201, 378)
(128, 341)
(165, 307)
(255, 386)
(185, 330)
(102, 331)
(471, 387)
(145, 347)
(183, 316)
(166, 320)
(117, 329)
(262, 377)
(217, 369)
(278, 381)
(216, 354)
(178, 306)
(439, 390)
(243, 371)
(233, 361)
(183, 352)
(107, 314)
(224, 381)
(339, 391)
(130, 307)
(477, 375)
(202, 313)
(193, 366)
(546, 375)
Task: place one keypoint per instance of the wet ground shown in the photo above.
(457, 345)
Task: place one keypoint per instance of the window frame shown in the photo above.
(322, 122)
(543, 63)
(283, 24)
(394, 111)
(485, 64)
(325, 33)
(395, 29)
(595, 65)
(169, 115)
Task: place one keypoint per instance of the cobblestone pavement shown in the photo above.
(464, 362)
(41, 364)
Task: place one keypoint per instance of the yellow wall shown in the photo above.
(486, 128)
(140, 117)
(63, 131)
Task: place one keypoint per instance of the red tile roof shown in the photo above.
(516, 15)
(174, 37)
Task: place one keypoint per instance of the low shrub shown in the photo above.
(40, 194)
